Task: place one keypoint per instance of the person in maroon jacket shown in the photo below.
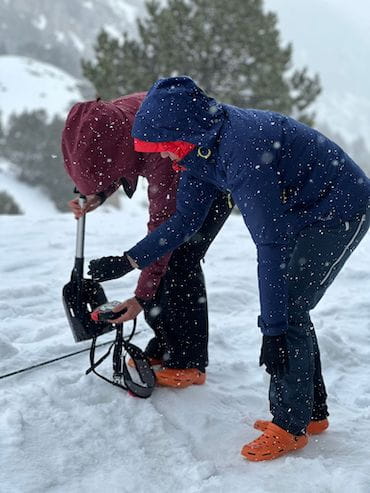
(99, 157)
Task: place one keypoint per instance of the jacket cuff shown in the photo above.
(272, 329)
(145, 304)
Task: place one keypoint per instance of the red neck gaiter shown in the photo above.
(180, 148)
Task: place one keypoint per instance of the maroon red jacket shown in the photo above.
(99, 152)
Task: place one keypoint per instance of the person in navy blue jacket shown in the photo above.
(306, 205)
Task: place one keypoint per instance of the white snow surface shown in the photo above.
(28, 85)
(62, 431)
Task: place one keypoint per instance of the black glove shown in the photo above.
(274, 354)
(106, 268)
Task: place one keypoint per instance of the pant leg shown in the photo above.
(318, 256)
(319, 407)
(178, 313)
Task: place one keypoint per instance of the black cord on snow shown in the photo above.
(59, 358)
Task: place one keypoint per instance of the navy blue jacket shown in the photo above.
(282, 174)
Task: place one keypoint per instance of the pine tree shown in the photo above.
(232, 50)
(32, 144)
(8, 205)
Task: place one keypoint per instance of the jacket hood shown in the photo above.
(176, 109)
(97, 146)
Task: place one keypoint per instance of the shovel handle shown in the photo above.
(78, 270)
(80, 240)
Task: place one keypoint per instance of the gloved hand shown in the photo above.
(106, 268)
(274, 354)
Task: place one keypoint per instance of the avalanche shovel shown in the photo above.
(81, 296)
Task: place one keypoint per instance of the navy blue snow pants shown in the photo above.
(178, 313)
(317, 256)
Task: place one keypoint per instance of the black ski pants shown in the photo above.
(316, 259)
(178, 313)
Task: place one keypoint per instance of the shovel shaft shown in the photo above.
(78, 269)
(80, 241)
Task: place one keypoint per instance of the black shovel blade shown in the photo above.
(80, 298)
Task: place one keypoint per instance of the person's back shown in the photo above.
(317, 179)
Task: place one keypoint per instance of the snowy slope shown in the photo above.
(27, 85)
(62, 431)
(30, 200)
(62, 31)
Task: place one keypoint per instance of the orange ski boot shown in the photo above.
(313, 427)
(316, 427)
(179, 379)
(152, 362)
(273, 443)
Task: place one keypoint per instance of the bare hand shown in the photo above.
(133, 310)
(91, 203)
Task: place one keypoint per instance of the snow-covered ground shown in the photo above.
(62, 431)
